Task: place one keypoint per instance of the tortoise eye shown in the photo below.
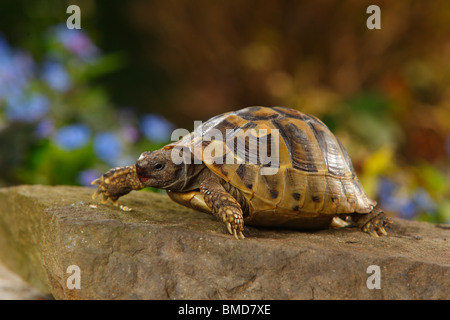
(158, 166)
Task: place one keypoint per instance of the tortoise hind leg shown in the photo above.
(373, 223)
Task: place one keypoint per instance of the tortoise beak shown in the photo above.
(140, 174)
(140, 169)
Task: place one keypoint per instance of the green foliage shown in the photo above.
(68, 130)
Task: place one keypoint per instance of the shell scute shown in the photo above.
(314, 174)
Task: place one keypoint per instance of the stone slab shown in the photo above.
(161, 250)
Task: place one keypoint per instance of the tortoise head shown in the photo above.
(156, 169)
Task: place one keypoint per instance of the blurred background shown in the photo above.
(74, 103)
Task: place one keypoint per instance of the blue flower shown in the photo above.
(56, 76)
(403, 206)
(72, 137)
(406, 208)
(108, 147)
(16, 70)
(385, 188)
(423, 200)
(21, 108)
(156, 128)
(5, 49)
(390, 200)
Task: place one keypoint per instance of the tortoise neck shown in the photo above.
(194, 175)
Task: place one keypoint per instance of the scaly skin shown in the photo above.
(372, 223)
(223, 206)
(120, 181)
(116, 183)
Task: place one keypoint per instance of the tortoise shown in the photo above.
(309, 182)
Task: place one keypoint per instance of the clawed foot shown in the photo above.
(223, 206)
(233, 220)
(116, 183)
(375, 227)
(373, 223)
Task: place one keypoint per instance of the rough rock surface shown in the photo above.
(161, 250)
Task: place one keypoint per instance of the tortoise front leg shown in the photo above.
(191, 199)
(223, 205)
(116, 183)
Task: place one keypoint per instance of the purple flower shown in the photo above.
(72, 137)
(447, 146)
(45, 128)
(23, 67)
(156, 128)
(130, 133)
(56, 76)
(87, 176)
(107, 147)
(77, 42)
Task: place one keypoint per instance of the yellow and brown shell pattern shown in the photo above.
(314, 175)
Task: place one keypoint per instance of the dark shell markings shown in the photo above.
(260, 166)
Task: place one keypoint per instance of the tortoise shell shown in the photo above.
(314, 178)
